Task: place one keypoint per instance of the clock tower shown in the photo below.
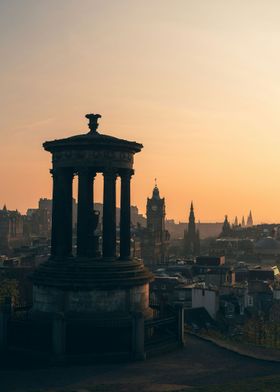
(156, 213)
(154, 238)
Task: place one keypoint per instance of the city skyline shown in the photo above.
(232, 220)
(200, 94)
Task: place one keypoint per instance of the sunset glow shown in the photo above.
(196, 82)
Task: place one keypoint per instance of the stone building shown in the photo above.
(11, 230)
(171, 290)
(37, 223)
(206, 297)
(46, 205)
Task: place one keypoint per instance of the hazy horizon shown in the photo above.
(197, 82)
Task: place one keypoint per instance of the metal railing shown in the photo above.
(161, 331)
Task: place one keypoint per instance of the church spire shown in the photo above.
(250, 219)
(191, 235)
(191, 216)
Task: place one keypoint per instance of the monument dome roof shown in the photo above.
(92, 140)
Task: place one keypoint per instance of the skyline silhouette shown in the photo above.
(197, 84)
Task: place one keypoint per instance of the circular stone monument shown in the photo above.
(91, 283)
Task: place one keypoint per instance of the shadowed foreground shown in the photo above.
(199, 364)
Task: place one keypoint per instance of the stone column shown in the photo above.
(85, 210)
(125, 215)
(109, 214)
(62, 213)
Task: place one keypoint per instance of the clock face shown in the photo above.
(154, 208)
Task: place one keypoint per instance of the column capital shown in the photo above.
(86, 171)
(62, 170)
(112, 173)
(126, 173)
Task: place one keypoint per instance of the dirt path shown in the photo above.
(199, 363)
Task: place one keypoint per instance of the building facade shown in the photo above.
(11, 230)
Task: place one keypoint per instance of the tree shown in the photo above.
(9, 288)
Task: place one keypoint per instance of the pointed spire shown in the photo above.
(250, 219)
(191, 237)
(243, 221)
(191, 225)
(156, 191)
(236, 221)
(191, 216)
(5, 208)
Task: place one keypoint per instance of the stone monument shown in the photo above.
(89, 284)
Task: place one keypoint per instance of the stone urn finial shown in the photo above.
(93, 122)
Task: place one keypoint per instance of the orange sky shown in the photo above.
(196, 81)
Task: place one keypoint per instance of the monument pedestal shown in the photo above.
(86, 286)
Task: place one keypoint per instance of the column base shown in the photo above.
(86, 273)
